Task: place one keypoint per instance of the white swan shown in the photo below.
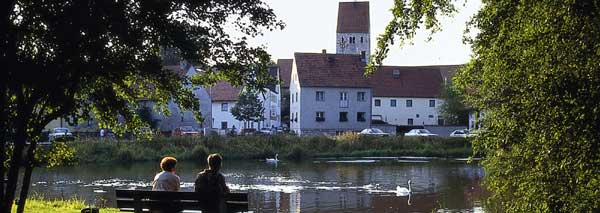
(273, 160)
(403, 191)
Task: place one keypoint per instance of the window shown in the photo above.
(343, 99)
(320, 117)
(377, 102)
(393, 103)
(396, 74)
(224, 107)
(430, 116)
(417, 115)
(223, 124)
(360, 117)
(343, 96)
(360, 96)
(410, 121)
(352, 40)
(320, 96)
(361, 39)
(408, 103)
(343, 116)
(296, 97)
(431, 103)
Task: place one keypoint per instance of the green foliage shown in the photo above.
(408, 17)
(58, 154)
(82, 58)
(453, 109)
(535, 73)
(41, 204)
(260, 147)
(145, 114)
(248, 107)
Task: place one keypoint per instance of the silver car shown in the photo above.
(420, 133)
(373, 132)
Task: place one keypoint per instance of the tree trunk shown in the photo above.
(3, 132)
(27, 177)
(13, 172)
(17, 155)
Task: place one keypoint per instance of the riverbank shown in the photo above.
(288, 147)
(42, 205)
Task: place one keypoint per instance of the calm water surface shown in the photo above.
(319, 185)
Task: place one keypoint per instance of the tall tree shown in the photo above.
(535, 73)
(453, 109)
(80, 57)
(248, 108)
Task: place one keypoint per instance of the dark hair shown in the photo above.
(214, 161)
(168, 164)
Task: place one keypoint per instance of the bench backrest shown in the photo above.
(137, 201)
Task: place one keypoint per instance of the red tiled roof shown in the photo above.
(353, 17)
(285, 71)
(223, 91)
(420, 82)
(330, 70)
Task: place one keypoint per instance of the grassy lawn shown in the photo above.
(57, 206)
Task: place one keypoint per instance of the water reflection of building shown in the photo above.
(277, 202)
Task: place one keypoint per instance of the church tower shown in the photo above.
(353, 29)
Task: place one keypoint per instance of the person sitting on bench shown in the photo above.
(212, 184)
(166, 180)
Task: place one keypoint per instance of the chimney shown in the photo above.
(324, 51)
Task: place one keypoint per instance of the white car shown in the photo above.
(419, 132)
(461, 133)
(265, 131)
(373, 132)
(60, 133)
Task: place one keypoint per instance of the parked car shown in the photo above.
(373, 132)
(185, 131)
(265, 131)
(62, 134)
(461, 133)
(248, 131)
(420, 133)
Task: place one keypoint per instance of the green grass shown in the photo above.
(259, 147)
(41, 205)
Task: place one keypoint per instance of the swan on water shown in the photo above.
(403, 191)
(273, 160)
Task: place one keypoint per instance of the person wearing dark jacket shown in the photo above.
(211, 183)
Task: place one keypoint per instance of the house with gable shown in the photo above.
(224, 96)
(180, 117)
(284, 67)
(328, 94)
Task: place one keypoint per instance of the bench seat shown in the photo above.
(144, 200)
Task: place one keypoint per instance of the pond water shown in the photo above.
(324, 185)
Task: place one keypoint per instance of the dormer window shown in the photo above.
(396, 74)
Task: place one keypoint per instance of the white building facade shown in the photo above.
(224, 97)
(328, 94)
(407, 111)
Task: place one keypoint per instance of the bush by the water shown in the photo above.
(259, 147)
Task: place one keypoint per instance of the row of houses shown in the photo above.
(326, 92)
(330, 94)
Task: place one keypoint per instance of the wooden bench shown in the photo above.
(144, 201)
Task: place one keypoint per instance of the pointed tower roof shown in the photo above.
(353, 17)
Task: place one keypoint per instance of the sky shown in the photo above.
(311, 27)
